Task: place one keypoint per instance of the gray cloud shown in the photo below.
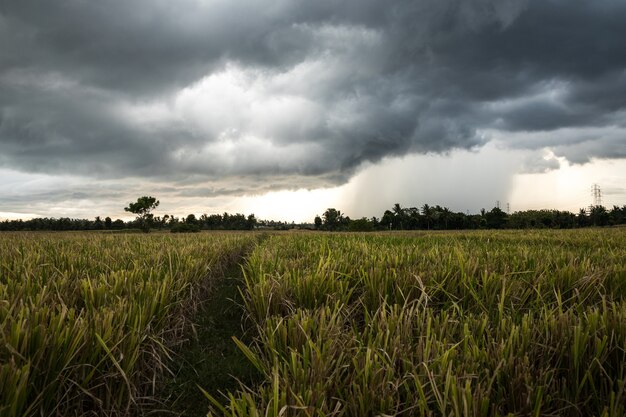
(300, 93)
(537, 164)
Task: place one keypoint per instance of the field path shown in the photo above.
(212, 360)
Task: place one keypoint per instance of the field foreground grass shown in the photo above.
(411, 324)
(88, 321)
(450, 324)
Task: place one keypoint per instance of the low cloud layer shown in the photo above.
(250, 96)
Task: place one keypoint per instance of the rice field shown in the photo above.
(481, 323)
(88, 321)
(442, 324)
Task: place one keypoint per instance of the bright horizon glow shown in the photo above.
(569, 187)
(464, 181)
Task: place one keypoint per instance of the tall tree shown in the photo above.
(318, 222)
(251, 222)
(387, 220)
(400, 216)
(143, 209)
(496, 218)
(445, 214)
(599, 216)
(332, 219)
(427, 212)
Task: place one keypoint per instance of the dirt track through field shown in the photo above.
(211, 360)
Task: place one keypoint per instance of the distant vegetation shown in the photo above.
(397, 218)
(442, 218)
(188, 224)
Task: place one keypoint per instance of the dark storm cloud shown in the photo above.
(298, 92)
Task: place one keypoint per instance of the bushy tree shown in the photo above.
(333, 219)
(143, 209)
(599, 216)
(496, 218)
(361, 225)
(251, 222)
(387, 220)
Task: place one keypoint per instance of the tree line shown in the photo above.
(397, 218)
(167, 222)
(145, 221)
(441, 218)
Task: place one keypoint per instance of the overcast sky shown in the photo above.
(286, 107)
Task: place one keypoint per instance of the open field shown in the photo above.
(87, 321)
(443, 324)
(482, 323)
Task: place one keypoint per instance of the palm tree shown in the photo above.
(445, 216)
(400, 215)
(427, 211)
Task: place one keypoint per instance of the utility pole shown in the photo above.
(498, 203)
(596, 192)
(508, 208)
